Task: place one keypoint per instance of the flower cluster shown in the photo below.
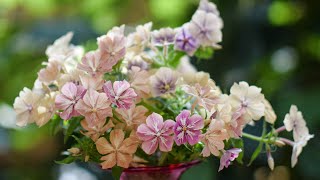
(136, 100)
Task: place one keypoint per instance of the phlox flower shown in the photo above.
(208, 7)
(206, 28)
(298, 146)
(185, 66)
(93, 64)
(206, 96)
(187, 128)
(26, 106)
(134, 116)
(119, 152)
(295, 122)
(163, 37)
(50, 73)
(184, 41)
(97, 130)
(120, 93)
(112, 48)
(139, 80)
(138, 40)
(138, 62)
(269, 114)
(249, 99)
(89, 82)
(156, 133)
(46, 109)
(163, 81)
(213, 138)
(67, 100)
(228, 156)
(94, 106)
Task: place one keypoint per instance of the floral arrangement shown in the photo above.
(136, 100)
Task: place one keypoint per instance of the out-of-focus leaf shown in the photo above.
(204, 53)
(74, 123)
(55, 125)
(66, 160)
(116, 172)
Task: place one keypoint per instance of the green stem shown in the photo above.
(255, 138)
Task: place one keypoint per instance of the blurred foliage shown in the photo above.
(273, 44)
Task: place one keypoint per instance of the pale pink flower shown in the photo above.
(93, 64)
(295, 122)
(185, 67)
(213, 138)
(163, 81)
(72, 76)
(120, 93)
(139, 80)
(97, 130)
(46, 109)
(228, 156)
(112, 48)
(26, 106)
(156, 133)
(50, 73)
(119, 152)
(137, 41)
(67, 100)
(95, 107)
(133, 116)
(137, 61)
(206, 28)
(187, 128)
(90, 82)
(206, 96)
(248, 98)
(230, 120)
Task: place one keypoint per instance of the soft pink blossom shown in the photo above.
(213, 138)
(97, 130)
(139, 80)
(187, 128)
(67, 100)
(92, 82)
(94, 106)
(228, 156)
(120, 93)
(133, 116)
(295, 122)
(93, 63)
(50, 73)
(46, 109)
(156, 133)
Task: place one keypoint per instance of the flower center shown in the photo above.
(94, 110)
(184, 128)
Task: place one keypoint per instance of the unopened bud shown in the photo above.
(279, 143)
(74, 151)
(270, 161)
(86, 158)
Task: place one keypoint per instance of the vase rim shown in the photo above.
(163, 168)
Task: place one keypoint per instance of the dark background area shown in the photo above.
(272, 44)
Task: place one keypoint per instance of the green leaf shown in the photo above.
(256, 153)
(116, 172)
(54, 125)
(66, 160)
(73, 124)
(175, 60)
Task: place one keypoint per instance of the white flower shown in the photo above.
(26, 106)
(294, 122)
(208, 7)
(248, 98)
(269, 114)
(297, 147)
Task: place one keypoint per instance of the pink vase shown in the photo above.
(170, 172)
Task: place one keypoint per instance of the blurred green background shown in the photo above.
(273, 44)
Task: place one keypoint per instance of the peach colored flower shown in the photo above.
(206, 96)
(213, 138)
(50, 73)
(133, 116)
(67, 100)
(95, 107)
(269, 114)
(248, 98)
(119, 152)
(120, 93)
(89, 82)
(156, 132)
(93, 64)
(139, 80)
(26, 106)
(46, 109)
(96, 131)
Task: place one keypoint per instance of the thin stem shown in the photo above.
(255, 138)
(287, 141)
(280, 129)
